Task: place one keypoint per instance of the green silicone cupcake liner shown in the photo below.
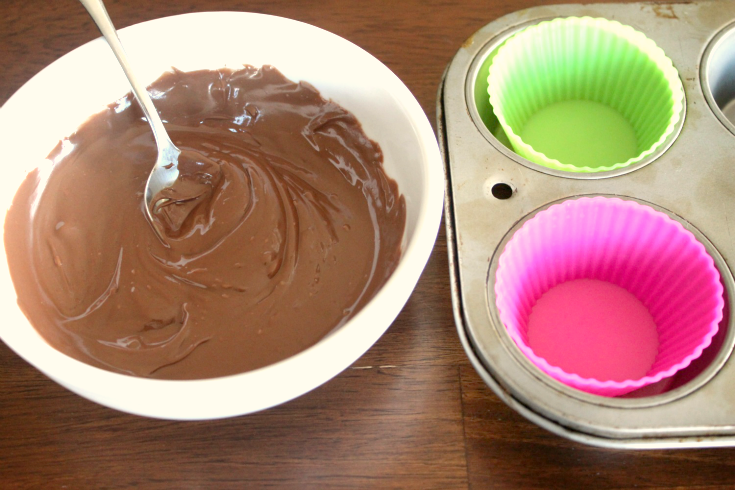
(618, 87)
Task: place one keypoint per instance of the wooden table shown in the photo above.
(411, 413)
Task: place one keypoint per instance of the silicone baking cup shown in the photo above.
(584, 94)
(624, 246)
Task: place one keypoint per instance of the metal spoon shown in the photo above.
(165, 171)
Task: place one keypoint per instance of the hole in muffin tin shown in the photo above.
(481, 111)
(717, 73)
(502, 191)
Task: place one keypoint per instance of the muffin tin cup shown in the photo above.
(492, 192)
(596, 245)
(584, 94)
(717, 74)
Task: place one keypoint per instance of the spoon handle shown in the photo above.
(100, 17)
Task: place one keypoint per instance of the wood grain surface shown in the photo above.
(411, 413)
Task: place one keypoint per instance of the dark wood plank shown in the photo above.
(504, 450)
(366, 428)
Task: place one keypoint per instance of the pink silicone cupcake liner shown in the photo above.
(621, 248)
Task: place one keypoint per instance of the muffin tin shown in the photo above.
(492, 192)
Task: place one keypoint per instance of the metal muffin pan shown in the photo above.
(491, 191)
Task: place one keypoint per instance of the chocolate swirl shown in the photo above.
(289, 229)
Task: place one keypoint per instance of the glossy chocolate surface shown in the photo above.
(289, 234)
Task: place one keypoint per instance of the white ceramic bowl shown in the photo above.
(82, 82)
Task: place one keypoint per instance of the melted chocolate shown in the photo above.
(291, 231)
